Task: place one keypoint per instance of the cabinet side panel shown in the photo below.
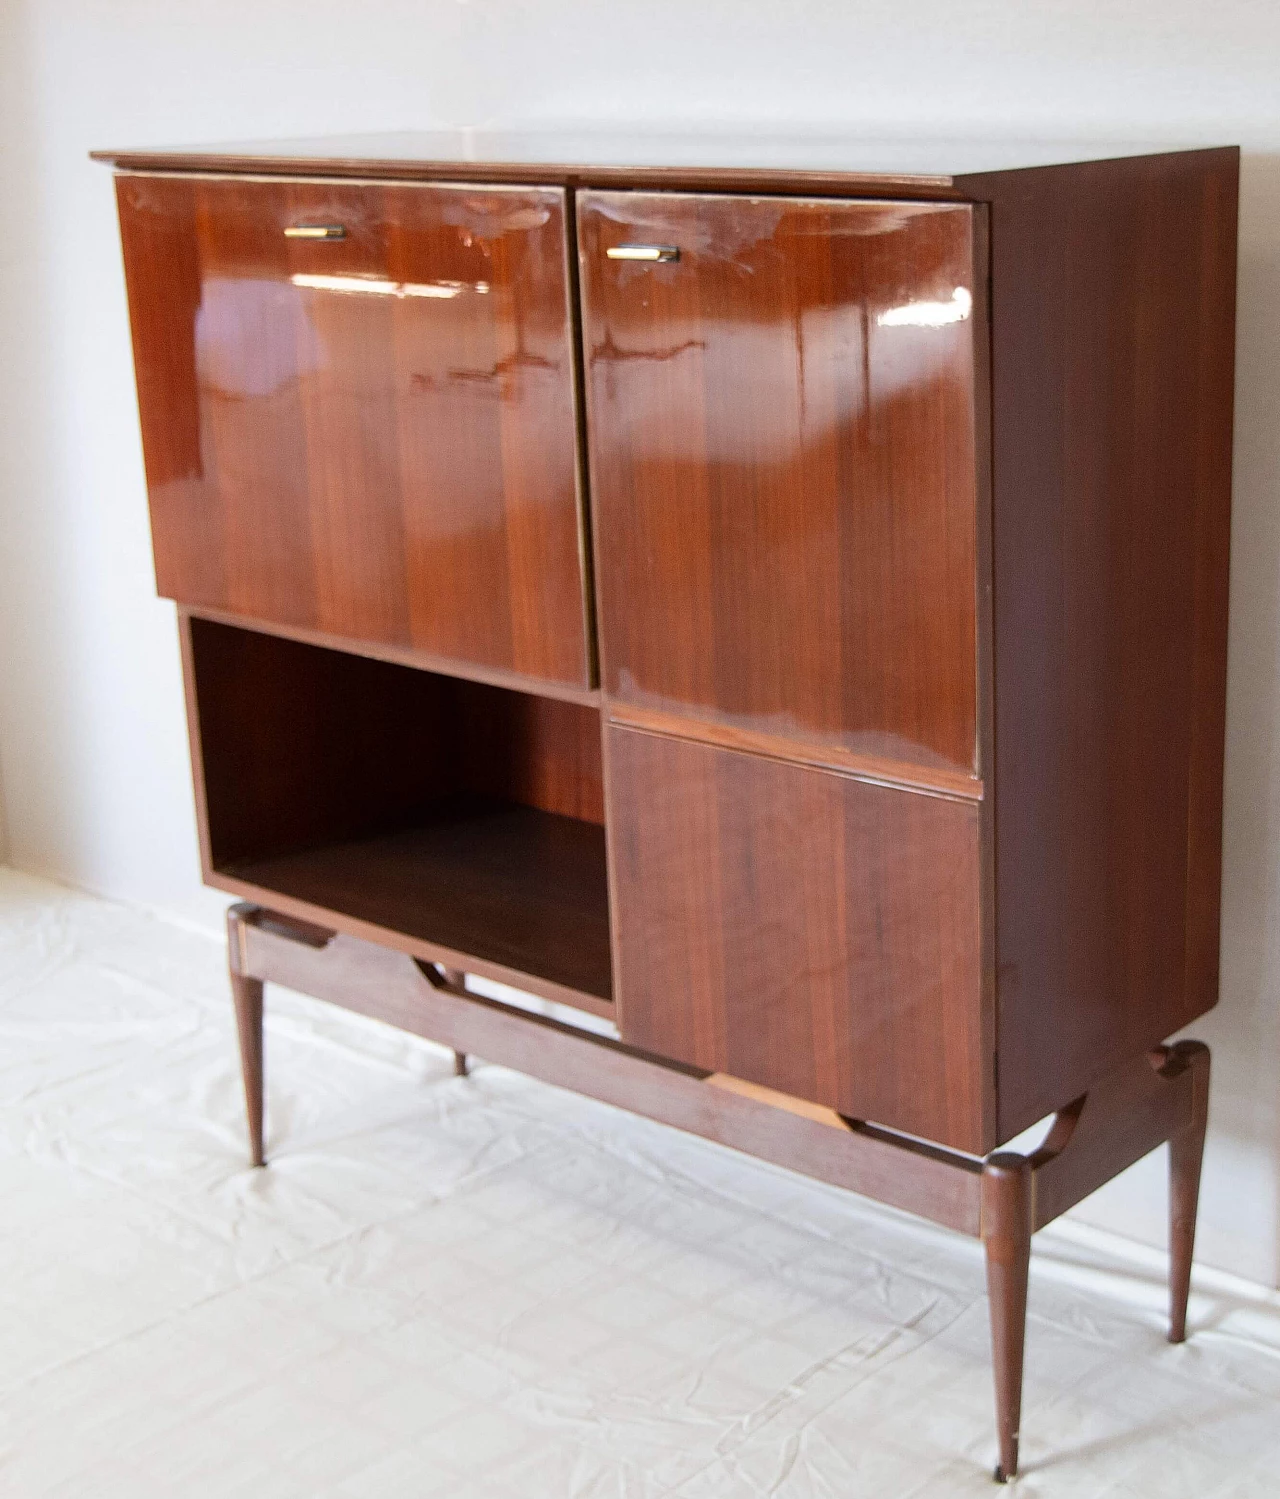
(802, 930)
(1113, 324)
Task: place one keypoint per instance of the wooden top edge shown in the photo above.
(550, 174)
(576, 156)
(973, 180)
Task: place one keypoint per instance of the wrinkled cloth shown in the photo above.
(489, 1288)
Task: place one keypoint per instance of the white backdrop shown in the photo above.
(93, 767)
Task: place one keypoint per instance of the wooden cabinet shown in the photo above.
(895, 507)
(368, 433)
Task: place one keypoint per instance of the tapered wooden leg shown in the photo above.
(1186, 1152)
(1006, 1235)
(247, 994)
(457, 979)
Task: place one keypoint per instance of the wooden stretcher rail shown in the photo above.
(392, 987)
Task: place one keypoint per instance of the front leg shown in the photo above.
(1006, 1237)
(246, 994)
(1186, 1152)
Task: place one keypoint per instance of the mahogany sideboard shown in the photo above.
(776, 615)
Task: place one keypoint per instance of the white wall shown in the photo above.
(92, 750)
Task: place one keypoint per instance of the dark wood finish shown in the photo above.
(1112, 329)
(747, 161)
(1006, 1236)
(913, 636)
(783, 479)
(1131, 1111)
(368, 978)
(597, 158)
(432, 954)
(882, 770)
(520, 887)
(1127, 1114)
(802, 930)
(300, 745)
(1144, 1101)
(377, 650)
(1186, 1155)
(462, 817)
(246, 997)
(373, 436)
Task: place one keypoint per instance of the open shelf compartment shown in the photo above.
(451, 813)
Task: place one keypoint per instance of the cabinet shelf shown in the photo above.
(510, 884)
(453, 814)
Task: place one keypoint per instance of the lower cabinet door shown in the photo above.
(802, 930)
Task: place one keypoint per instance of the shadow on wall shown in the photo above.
(1245, 1030)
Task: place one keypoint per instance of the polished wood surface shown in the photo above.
(1113, 314)
(517, 886)
(910, 503)
(783, 469)
(374, 435)
(835, 163)
(1007, 1194)
(1141, 1103)
(1130, 1111)
(1186, 1157)
(247, 1000)
(365, 977)
(299, 745)
(453, 813)
(802, 930)
(381, 650)
(880, 769)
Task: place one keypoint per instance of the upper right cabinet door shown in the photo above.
(784, 471)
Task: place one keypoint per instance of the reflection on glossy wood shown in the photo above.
(1113, 338)
(802, 930)
(783, 467)
(371, 436)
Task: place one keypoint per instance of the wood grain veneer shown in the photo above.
(1112, 340)
(372, 436)
(911, 514)
(520, 887)
(783, 467)
(298, 745)
(452, 812)
(801, 930)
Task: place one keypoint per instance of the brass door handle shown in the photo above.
(315, 231)
(643, 252)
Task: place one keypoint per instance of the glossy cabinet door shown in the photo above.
(783, 456)
(802, 930)
(358, 411)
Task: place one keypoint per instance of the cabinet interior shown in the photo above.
(453, 812)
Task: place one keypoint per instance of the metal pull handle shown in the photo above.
(315, 231)
(643, 252)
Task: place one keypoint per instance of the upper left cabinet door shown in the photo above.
(369, 434)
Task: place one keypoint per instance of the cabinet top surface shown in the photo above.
(700, 158)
